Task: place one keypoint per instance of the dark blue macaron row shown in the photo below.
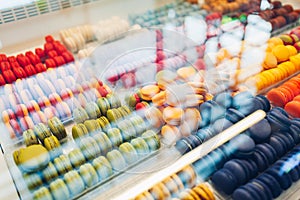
(213, 161)
(272, 182)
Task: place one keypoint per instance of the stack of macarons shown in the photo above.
(159, 16)
(287, 96)
(172, 186)
(223, 6)
(54, 54)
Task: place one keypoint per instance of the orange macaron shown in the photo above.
(293, 108)
(173, 115)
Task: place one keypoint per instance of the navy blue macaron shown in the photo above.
(268, 151)
(260, 131)
(265, 191)
(245, 193)
(288, 140)
(295, 133)
(292, 170)
(283, 179)
(266, 103)
(205, 112)
(261, 161)
(242, 145)
(272, 183)
(237, 170)
(279, 145)
(224, 180)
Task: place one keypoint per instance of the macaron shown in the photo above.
(129, 152)
(41, 131)
(57, 128)
(50, 173)
(92, 110)
(152, 140)
(79, 131)
(62, 164)
(225, 180)
(260, 132)
(80, 115)
(74, 182)
(102, 167)
(147, 92)
(89, 148)
(42, 193)
(52, 144)
(104, 123)
(76, 158)
(114, 134)
(223, 99)
(173, 115)
(88, 174)
(140, 146)
(272, 183)
(93, 126)
(116, 160)
(155, 117)
(33, 180)
(29, 137)
(32, 158)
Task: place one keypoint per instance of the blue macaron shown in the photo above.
(242, 146)
(264, 101)
(272, 183)
(295, 133)
(260, 131)
(283, 179)
(221, 124)
(225, 181)
(265, 191)
(268, 151)
(233, 115)
(219, 157)
(245, 192)
(224, 99)
(183, 146)
(261, 160)
(237, 170)
(279, 145)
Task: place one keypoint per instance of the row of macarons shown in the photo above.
(199, 171)
(114, 161)
(222, 112)
(160, 15)
(263, 156)
(287, 96)
(21, 66)
(77, 38)
(274, 180)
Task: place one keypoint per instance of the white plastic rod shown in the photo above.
(193, 156)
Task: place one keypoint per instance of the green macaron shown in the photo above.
(42, 131)
(74, 182)
(116, 160)
(140, 146)
(79, 131)
(88, 174)
(103, 142)
(59, 189)
(32, 180)
(57, 128)
(103, 105)
(103, 167)
(42, 194)
(62, 164)
(129, 152)
(115, 136)
(92, 110)
(113, 100)
(76, 158)
(50, 172)
(29, 137)
(151, 139)
(93, 126)
(104, 123)
(89, 148)
(53, 146)
(80, 115)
